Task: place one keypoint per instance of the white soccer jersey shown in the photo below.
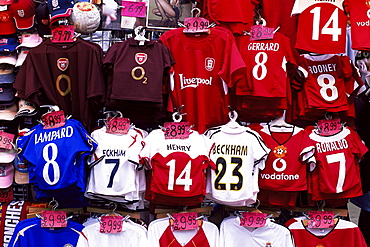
(132, 235)
(115, 177)
(239, 154)
(157, 232)
(270, 235)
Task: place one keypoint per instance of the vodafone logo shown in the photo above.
(368, 13)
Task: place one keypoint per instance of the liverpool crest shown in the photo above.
(141, 58)
(62, 64)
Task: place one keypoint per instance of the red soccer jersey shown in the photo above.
(205, 67)
(177, 166)
(266, 65)
(344, 233)
(326, 76)
(285, 168)
(168, 239)
(321, 26)
(337, 160)
(359, 12)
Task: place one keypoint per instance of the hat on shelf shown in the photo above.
(59, 9)
(6, 2)
(22, 56)
(26, 108)
(8, 57)
(30, 40)
(7, 155)
(23, 14)
(7, 25)
(21, 171)
(7, 78)
(6, 175)
(7, 112)
(7, 94)
(8, 44)
(43, 19)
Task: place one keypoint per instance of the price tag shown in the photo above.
(133, 9)
(118, 125)
(63, 33)
(196, 25)
(185, 221)
(53, 219)
(259, 32)
(251, 219)
(176, 130)
(54, 119)
(111, 224)
(329, 127)
(321, 219)
(6, 195)
(6, 140)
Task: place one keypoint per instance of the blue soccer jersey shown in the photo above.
(57, 156)
(30, 233)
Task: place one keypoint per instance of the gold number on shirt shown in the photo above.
(142, 74)
(335, 31)
(221, 173)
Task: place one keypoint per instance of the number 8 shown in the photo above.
(45, 171)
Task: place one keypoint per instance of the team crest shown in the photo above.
(268, 244)
(45, 21)
(4, 16)
(62, 64)
(141, 58)
(54, 3)
(367, 4)
(319, 245)
(209, 64)
(67, 245)
(280, 151)
(20, 12)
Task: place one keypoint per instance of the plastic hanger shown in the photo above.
(140, 35)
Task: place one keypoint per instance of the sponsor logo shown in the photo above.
(20, 12)
(141, 58)
(193, 82)
(62, 64)
(210, 63)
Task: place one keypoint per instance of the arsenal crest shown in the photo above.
(209, 63)
(141, 58)
(62, 64)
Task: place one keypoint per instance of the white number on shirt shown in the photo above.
(325, 87)
(221, 173)
(335, 31)
(341, 158)
(186, 181)
(260, 64)
(50, 161)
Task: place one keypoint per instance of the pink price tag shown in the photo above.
(196, 25)
(185, 221)
(252, 219)
(321, 219)
(329, 127)
(54, 119)
(111, 224)
(118, 125)
(63, 33)
(53, 219)
(259, 32)
(176, 130)
(6, 140)
(133, 9)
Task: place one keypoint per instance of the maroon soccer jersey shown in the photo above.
(321, 26)
(65, 74)
(206, 66)
(266, 65)
(359, 12)
(137, 70)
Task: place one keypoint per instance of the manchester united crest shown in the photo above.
(280, 151)
(367, 3)
(209, 64)
(62, 64)
(319, 245)
(141, 58)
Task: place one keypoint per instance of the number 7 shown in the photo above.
(341, 158)
(114, 170)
